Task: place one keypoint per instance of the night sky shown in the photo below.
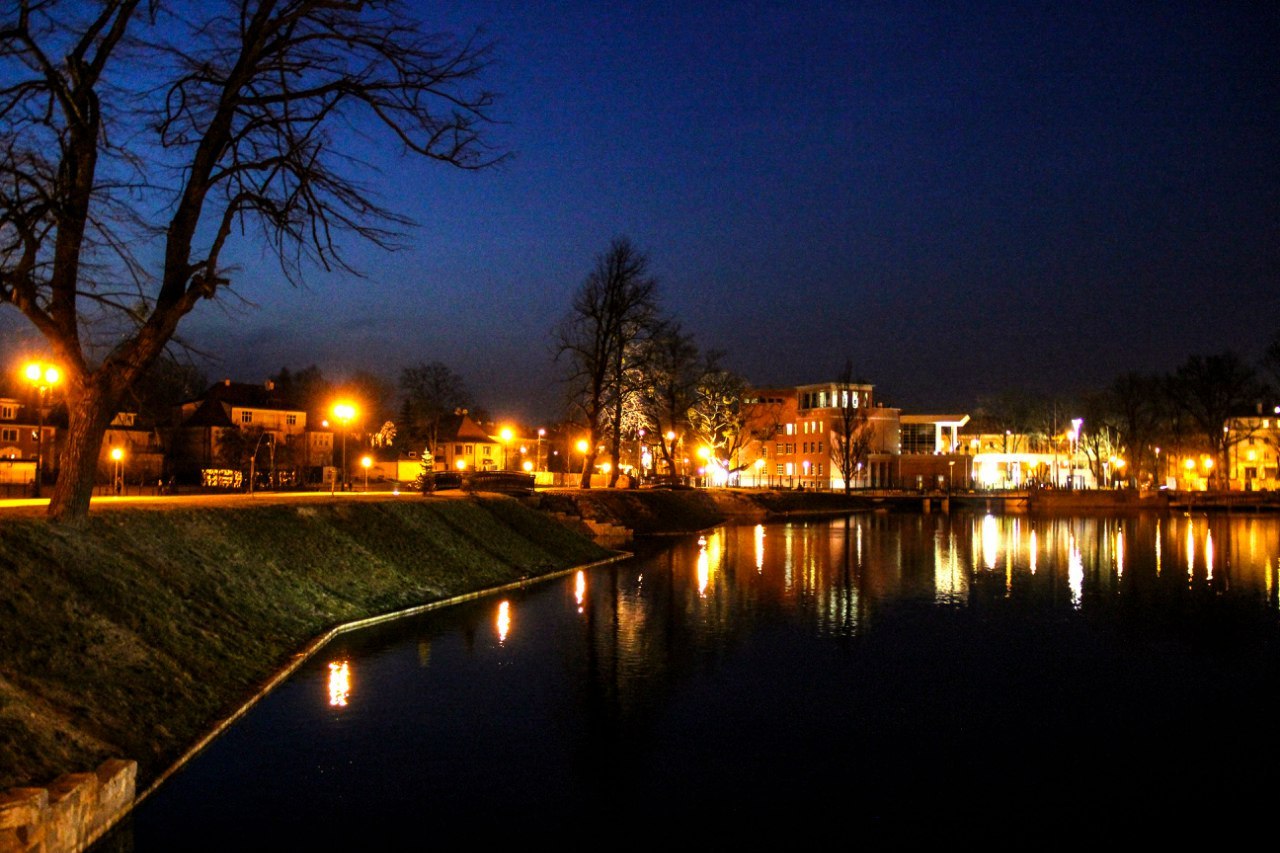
(961, 198)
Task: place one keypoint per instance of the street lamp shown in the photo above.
(365, 462)
(505, 435)
(541, 435)
(42, 377)
(582, 448)
(345, 413)
(117, 454)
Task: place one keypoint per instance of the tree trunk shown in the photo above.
(87, 419)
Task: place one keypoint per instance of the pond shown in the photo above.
(877, 673)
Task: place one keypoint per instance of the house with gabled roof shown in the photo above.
(463, 445)
(234, 422)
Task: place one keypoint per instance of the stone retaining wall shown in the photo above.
(70, 814)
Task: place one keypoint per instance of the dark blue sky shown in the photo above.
(959, 197)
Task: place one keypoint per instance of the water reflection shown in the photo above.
(503, 621)
(896, 655)
(339, 683)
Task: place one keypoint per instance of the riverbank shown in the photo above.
(131, 635)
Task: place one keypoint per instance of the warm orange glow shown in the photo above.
(671, 436)
(582, 446)
(1190, 463)
(704, 452)
(1207, 462)
(580, 588)
(344, 411)
(365, 461)
(505, 434)
(117, 454)
(527, 466)
(44, 374)
(462, 464)
(339, 684)
(504, 621)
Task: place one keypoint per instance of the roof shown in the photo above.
(462, 428)
(249, 396)
(943, 420)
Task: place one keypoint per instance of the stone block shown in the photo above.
(22, 806)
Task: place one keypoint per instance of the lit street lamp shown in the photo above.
(42, 377)
(117, 485)
(541, 434)
(365, 462)
(505, 435)
(582, 448)
(345, 413)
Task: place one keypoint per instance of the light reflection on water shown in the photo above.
(885, 655)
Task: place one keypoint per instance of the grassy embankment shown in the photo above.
(132, 635)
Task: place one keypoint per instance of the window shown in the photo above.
(291, 420)
(777, 451)
(487, 450)
(246, 417)
(457, 450)
(470, 450)
(819, 446)
(8, 413)
(791, 429)
(8, 434)
(780, 469)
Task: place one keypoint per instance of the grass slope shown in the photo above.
(129, 636)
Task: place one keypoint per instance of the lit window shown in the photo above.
(291, 420)
(777, 451)
(8, 412)
(780, 469)
(246, 417)
(8, 435)
(487, 450)
(791, 429)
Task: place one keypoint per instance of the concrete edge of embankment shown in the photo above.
(316, 644)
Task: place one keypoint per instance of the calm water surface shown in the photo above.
(866, 673)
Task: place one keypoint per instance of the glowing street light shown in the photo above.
(582, 448)
(542, 433)
(345, 413)
(117, 454)
(42, 377)
(505, 434)
(365, 462)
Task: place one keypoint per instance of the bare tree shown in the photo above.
(719, 414)
(128, 132)
(673, 370)
(851, 431)
(432, 392)
(1210, 390)
(614, 309)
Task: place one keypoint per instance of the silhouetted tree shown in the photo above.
(1211, 389)
(432, 392)
(128, 131)
(615, 307)
(851, 431)
(673, 370)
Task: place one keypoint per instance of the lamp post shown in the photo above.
(505, 435)
(344, 412)
(116, 486)
(541, 434)
(582, 448)
(365, 462)
(42, 377)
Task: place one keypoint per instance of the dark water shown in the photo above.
(875, 675)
